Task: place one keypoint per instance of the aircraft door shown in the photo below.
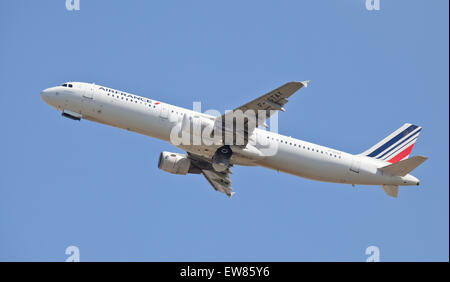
(89, 107)
(356, 163)
(88, 92)
(164, 113)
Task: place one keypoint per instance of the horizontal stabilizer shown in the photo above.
(391, 190)
(403, 167)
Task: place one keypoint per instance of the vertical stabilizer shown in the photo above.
(396, 146)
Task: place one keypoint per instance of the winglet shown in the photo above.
(231, 195)
(305, 83)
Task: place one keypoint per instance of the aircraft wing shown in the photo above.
(275, 99)
(269, 103)
(220, 181)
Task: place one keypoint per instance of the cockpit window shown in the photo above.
(64, 85)
(70, 85)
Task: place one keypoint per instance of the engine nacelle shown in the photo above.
(221, 159)
(174, 163)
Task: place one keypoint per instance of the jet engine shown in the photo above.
(221, 159)
(176, 163)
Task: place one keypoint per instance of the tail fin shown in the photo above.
(397, 146)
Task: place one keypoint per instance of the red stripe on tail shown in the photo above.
(400, 156)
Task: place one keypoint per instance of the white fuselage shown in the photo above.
(156, 119)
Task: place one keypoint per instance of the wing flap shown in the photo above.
(220, 181)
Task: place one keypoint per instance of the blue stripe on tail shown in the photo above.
(393, 140)
(399, 144)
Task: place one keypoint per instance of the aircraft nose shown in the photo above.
(44, 95)
(48, 96)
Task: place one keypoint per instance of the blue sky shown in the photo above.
(96, 187)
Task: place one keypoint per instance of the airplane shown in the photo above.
(386, 164)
